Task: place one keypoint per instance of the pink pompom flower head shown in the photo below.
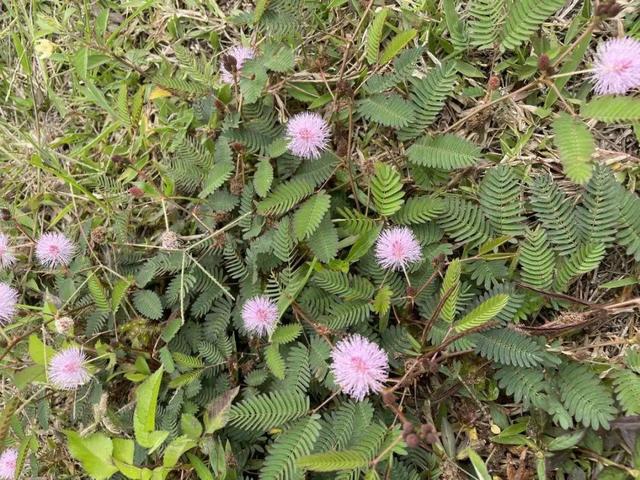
(54, 250)
(8, 301)
(7, 258)
(308, 135)
(8, 464)
(617, 66)
(67, 369)
(397, 247)
(260, 315)
(359, 366)
(232, 61)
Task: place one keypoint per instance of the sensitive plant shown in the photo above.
(387, 285)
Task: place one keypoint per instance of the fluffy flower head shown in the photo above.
(397, 247)
(54, 249)
(8, 300)
(359, 366)
(308, 135)
(67, 370)
(8, 462)
(6, 256)
(240, 54)
(617, 66)
(260, 315)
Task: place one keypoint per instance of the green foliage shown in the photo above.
(148, 304)
(500, 199)
(418, 210)
(508, 347)
(428, 96)
(485, 19)
(597, 217)
(629, 222)
(586, 258)
(524, 17)
(389, 110)
(463, 221)
(482, 313)
(575, 145)
(585, 397)
(446, 152)
(612, 109)
(450, 288)
(266, 411)
(307, 218)
(284, 197)
(554, 210)
(627, 387)
(537, 260)
(386, 189)
(282, 456)
(374, 35)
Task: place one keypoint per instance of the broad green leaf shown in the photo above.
(216, 414)
(199, 466)
(175, 449)
(144, 415)
(39, 352)
(93, 452)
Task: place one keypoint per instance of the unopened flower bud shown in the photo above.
(63, 325)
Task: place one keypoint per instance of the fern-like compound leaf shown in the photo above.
(386, 189)
(586, 258)
(266, 411)
(554, 210)
(575, 145)
(374, 35)
(598, 215)
(463, 221)
(524, 18)
(285, 197)
(500, 198)
(308, 217)
(485, 21)
(389, 110)
(629, 222)
(282, 456)
(612, 109)
(537, 259)
(446, 152)
(482, 313)
(585, 397)
(428, 96)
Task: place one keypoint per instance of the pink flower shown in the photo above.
(240, 55)
(308, 135)
(54, 249)
(6, 256)
(260, 315)
(8, 462)
(67, 369)
(617, 66)
(397, 247)
(359, 366)
(8, 301)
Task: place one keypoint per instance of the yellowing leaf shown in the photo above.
(159, 92)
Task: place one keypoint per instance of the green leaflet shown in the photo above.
(576, 145)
